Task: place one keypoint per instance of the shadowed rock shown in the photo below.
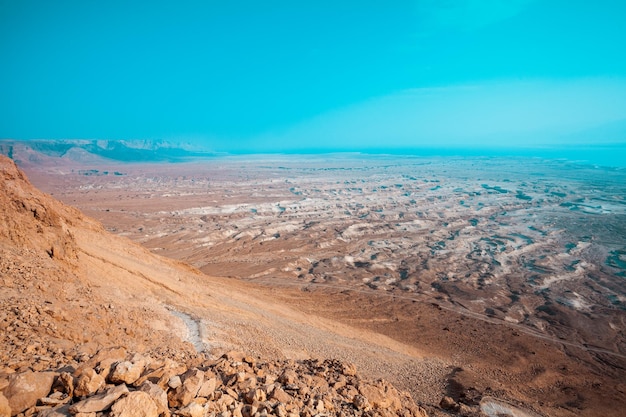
(24, 389)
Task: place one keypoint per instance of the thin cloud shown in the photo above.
(514, 113)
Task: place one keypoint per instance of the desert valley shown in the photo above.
(478, 286)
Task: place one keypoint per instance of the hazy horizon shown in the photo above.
(607, 156)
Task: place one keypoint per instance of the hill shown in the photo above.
(85, 151)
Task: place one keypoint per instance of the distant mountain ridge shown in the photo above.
(97, 151)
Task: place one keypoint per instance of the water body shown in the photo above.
(611, 155)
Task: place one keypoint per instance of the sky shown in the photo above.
(273, 76)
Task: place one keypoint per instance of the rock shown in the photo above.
(237, 411)
(174, 382)
(249, 410)
(349, 391)
(143, 361)
(280, 410)
(24, 389)
(5, 409)
(192, 410)
(381, 396)
(340, 382)
(361, 403)
(191, 382)
(104, 367)
(234, 356)
(161, 374)
(110, 355)
(60, 411)
(349, 369)
(88, 383)
(225, 401)
(289, 376)
(465, 410)
(128, 371)
(218, 387)
(158, 395)
(100, 402)
(447, 403)
(244, 380)
(253, 395)
(64, 383)
(207, 388)
(54, 399)
(280, 395)
(135, 404)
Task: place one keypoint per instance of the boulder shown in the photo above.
(161, 374)
(255, 395)
(99, 402)
(24, 389)
(54, 399)
(192, 410)
(208, 387)
(64, 383)
(191, 383)
(88, 383)
(5, 409)
(448, 403)
(126, 372)
(174, 382)
(105, 366)
(361, 403)
(280, 410)
(237, 411)
(280, 395)
(381, 396)
(110, 355)
(289, 376)
(135, 404)
(158, 395)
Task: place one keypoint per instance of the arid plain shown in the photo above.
(509, 272)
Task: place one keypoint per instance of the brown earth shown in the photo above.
(71, 288)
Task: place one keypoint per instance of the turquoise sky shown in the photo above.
(301, 75)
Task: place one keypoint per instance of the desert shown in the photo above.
(313, 209)
(479, 286)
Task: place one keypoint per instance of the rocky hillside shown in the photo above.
(50, 304)
(115, 383)
(69, 151)
(90, 325)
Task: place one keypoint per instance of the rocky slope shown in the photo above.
(115, 383)
(75, 300)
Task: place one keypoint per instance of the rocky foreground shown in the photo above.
(119, 384)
